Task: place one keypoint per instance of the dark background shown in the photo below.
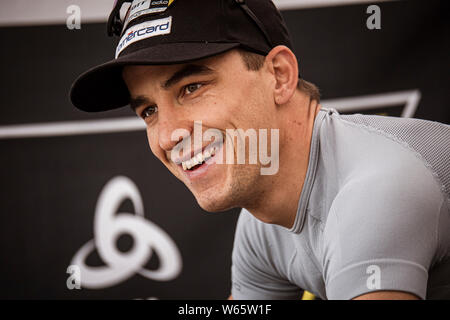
(50, 186)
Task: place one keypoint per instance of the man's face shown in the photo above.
(222, 94)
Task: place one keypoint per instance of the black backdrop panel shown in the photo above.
(50, 186)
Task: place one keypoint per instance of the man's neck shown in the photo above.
(279, 201)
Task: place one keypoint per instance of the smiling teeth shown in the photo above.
(198, 159)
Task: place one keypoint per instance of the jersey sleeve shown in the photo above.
(252, 272)
(382, 234)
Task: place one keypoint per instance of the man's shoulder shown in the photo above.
(252, 232)
(388, 148)
(426, 140)
(418, 134)
(249, 224)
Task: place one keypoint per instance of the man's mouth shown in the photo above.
(198, 159)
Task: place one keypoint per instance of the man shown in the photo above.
(357, 207)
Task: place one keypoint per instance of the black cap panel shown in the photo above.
(273, 22)
(240, 27)
(184, 26)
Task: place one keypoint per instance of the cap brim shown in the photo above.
(102, 88)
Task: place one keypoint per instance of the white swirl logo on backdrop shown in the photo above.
(148, 239)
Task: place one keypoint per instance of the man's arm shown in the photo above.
(252, 274)
(382, 235)
(380, 295)
(387, 295)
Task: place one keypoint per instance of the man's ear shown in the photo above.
(282, 64)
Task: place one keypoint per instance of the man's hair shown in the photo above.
(254, 62)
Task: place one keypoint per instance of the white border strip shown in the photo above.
(410, 99)
(71, 128)
(50, 12)
(307, 4)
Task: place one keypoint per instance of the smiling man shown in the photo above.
(358, 207)
(222, 93)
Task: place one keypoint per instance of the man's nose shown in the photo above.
(172, 127)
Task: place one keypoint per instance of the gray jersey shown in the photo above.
(373, 215)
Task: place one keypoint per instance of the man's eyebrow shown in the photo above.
(186, 71)
(189, 70)
(137, 102)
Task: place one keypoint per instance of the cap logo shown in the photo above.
(143, 7)
(143, 31)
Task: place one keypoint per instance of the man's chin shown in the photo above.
(214, 203)
(215, 208)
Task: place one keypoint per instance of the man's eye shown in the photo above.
(190, 88)
(148, 112)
